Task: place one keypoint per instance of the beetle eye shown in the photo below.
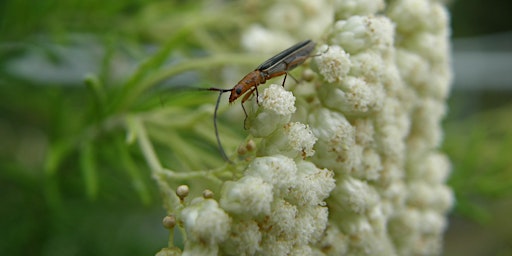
(238, 90)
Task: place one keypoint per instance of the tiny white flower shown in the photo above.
(354, 96)
(333, 63)
(293, 140)
(245, 239)
(302, 249)
(280, 171)
(364, 239)
(347, 8)
(284, 16)
(278, 100)
(360, 33)
(336, 138)
(378, 219)
(261, 40)
(393, 197)
(404, 226)
(305, 18)
(317, 17)
(336, 242)
(355, 195)
(428, 117)
(365, 131)
(394, 125)
(313, 185)
(368, 65)
(247, 197)
(198, 249)
(410, 15)
(351, 34)
(417, 15)
(370, 166)
(437, 168)
(283, 219)
(429, 196)
(311, 222)
(276, 108)
(276, 245)
(280, 228)
(419, 230)
(433, 223)
(434, 48)
(301, 139)
(205, 222)
(414, 69)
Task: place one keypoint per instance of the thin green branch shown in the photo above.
(171, 201)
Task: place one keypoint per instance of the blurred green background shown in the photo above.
(64, 68)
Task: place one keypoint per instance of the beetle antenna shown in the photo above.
(221, 91)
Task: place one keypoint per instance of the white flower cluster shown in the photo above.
(278, 207)
(277, 107)
(380, 130)
(287, 20)
(362, 142)
(206, 225)
(272, 120)
(284, 200)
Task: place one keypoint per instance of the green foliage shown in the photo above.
(479, 148)
(89, 110)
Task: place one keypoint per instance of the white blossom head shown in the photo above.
(247, 198)
(336, 139)
(298, 17)
(205, 222)
(354, 195)
(262, 40)
(313, 185)
(418, 15)
(276, 108)
(360, 33)
(368, 65)
(333, 63)
(245, 238)
(278, 170)
(354, 96)
(347, 8)
(294, 140)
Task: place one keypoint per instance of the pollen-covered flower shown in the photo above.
(359, 33)
(293, 140)
(313, 185)
(333, 63)
(353, 96)
(416, 15)
(247, 197)
(206, 225)
(278, 100)
(336, 139)
(279, 171)
(261, 40)
(277, 107)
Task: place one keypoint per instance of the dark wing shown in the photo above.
(294, 55)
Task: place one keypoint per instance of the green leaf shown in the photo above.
(89, 170)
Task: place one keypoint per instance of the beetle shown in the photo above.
(278, 65)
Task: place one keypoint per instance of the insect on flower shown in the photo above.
(276, 66)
